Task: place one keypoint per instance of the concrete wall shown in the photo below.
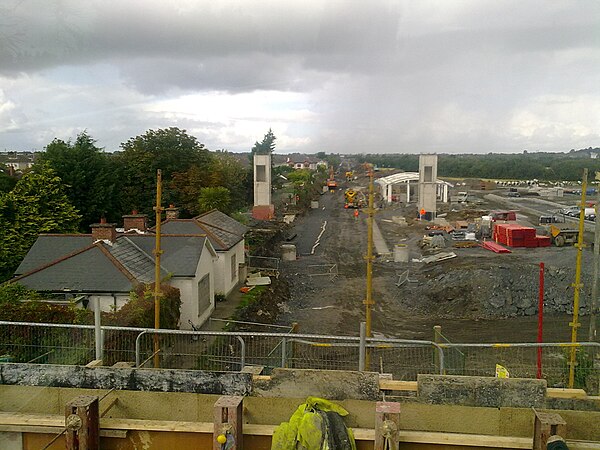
(188, 407)
(427, 184)
(133, 379)
(262, 189)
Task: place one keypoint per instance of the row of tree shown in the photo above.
(101, 184)
(526, 166)
(75, 183)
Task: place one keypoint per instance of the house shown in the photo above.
(298, 162)
(226, 236)
(107, 265)
(18, 161)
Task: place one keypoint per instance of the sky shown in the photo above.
(352, 76)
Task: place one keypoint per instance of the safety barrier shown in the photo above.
(232, 351)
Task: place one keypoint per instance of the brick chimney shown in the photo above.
(135, 221)
(172, 212)
(104, 231)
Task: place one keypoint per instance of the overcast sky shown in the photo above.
(353, 76)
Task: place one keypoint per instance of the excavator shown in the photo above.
(331, 183)
(354, 198)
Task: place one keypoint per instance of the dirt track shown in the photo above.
(478, 296)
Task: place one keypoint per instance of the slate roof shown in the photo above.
(87, 271)
(139, 263)
(116, 267)
(50, 247)
(222, 231)
(181, 253)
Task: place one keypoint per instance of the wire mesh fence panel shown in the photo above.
(404, 362)
(322, 354)
(265, 351)
(223, 353)
(521, 362)
(119, 344)
(46, 344)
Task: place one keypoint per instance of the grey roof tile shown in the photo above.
(134, 259)
(181, 226)
(181, 254)
(222, 221)
(223, 231)
(50, 247)
(88, 271)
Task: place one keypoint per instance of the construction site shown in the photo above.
(433, 313)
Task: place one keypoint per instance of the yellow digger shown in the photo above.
(562, 236)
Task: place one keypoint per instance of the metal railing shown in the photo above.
(232, 351)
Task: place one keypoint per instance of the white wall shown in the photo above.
(223, 281)
(189, 291)
(108, 303)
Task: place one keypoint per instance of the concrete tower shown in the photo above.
(427, 185)
(263, 209)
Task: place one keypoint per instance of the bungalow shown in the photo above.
(226, 236)
(107, 265)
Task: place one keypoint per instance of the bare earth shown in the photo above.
(479, 296)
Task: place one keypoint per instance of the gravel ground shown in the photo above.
(478, 296)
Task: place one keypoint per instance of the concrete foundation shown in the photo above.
(31, 416)
(482, 391)
(166, 380)
(330, 384)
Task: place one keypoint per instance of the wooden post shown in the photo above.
(387, 424)
(229, 421)
(546, 425)
(82, 423)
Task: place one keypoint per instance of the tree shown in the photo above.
(89, 177)
(214, 198)
(7, 179)
(172, 150)
(223, 170)
(266, 146)
(36, 205)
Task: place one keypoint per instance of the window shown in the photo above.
(203, 294)
(428, 175)
(261, 173)
(233, 267)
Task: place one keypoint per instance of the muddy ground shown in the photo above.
(479, 296)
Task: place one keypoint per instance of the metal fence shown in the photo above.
(232, 351)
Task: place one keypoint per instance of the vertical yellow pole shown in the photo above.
(157, 253)
(577, 285)
(369, 300)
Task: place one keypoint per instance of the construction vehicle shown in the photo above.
(562, 236)
(349, 175)
(331, 183)
(354, 198)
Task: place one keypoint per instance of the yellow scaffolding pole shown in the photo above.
(369, 299)
(577, 285)
(157, 252)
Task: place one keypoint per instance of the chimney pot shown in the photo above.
(104, 231)
(135, 221)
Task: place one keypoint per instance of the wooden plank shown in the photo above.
(94, 363)
(566, 393)
(22, 422)
(396, 385)
(120, 434)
